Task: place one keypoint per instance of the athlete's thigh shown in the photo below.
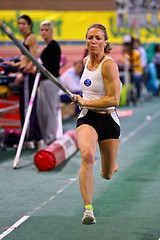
(87, 138)
(108, 150)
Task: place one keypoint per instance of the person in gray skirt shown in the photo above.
(48, 98)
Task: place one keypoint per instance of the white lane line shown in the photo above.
(24, 218)
(14, 226)
(51, 198)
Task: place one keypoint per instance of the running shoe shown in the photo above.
(88, 217)
(40, 145)
(28, 145)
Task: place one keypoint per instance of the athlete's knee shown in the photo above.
(106, 176)
(87, 157)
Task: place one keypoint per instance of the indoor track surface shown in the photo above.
(48, 206)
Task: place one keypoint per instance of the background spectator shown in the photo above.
(71, 80)
(156, 59)
(48, 97)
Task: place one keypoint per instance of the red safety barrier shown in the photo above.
(57, 152)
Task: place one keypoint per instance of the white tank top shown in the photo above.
(92, 83)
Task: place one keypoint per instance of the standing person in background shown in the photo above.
(156, 59)
(70, 79)
(25, 78)
(48, 97)
(135, 64)
(142, 51)
(101, 89)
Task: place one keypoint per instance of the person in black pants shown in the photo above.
(25, 78)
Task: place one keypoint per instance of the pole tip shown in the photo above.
(14, 166)
(15, 163)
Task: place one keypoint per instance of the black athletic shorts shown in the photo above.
(106, 125)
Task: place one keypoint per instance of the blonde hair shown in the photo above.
(48, 23)
(107, 48)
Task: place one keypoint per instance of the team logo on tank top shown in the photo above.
(87, 82)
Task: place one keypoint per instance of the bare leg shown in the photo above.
(87, 141)
(109, 151)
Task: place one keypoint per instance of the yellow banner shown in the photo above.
(72, 25)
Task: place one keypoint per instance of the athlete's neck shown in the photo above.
(95, 60)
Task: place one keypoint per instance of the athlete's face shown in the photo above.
(95, 41)
(23, 26)
(46, 32)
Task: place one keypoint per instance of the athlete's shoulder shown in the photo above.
(109, 65)
(85, 60)
(108, 61)
(31, 39)
(32, 36)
